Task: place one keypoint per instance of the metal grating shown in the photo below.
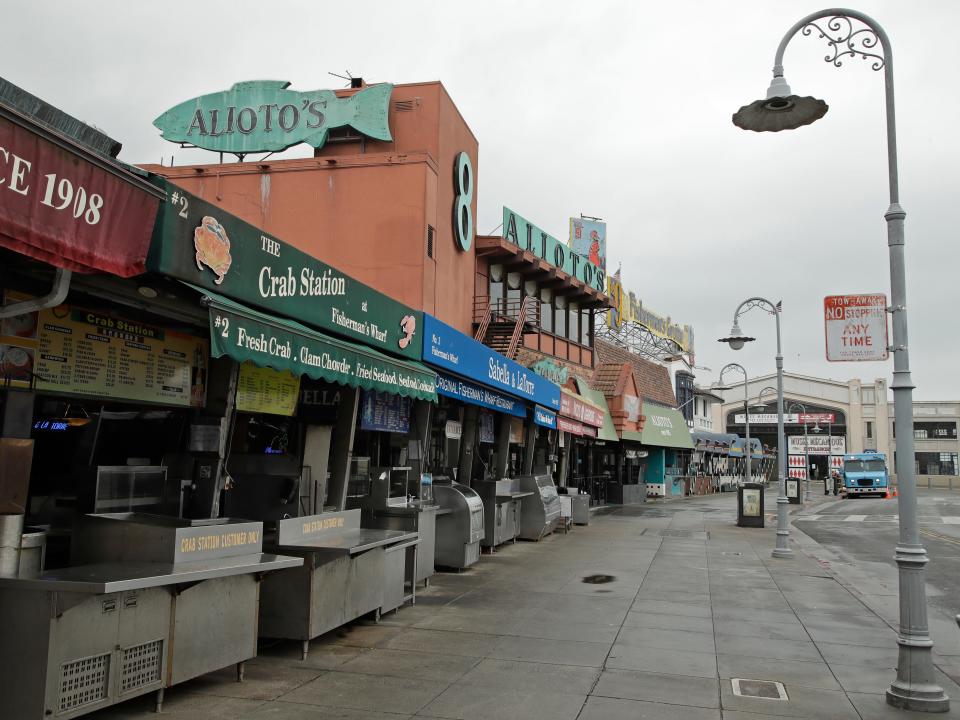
(140, 665)
(693, 534)
(83, 682)
(766, 689)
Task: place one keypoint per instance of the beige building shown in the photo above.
(843, 416)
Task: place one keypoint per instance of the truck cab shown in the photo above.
(865, 474)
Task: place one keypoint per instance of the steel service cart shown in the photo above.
(501, 510)
(540, 514)
(459, 524)
(348, 571)
(150, 602)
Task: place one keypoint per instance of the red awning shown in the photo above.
(66, 206)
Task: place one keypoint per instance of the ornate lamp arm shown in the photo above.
(851, 33)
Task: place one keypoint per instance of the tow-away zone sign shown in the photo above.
(856, 327)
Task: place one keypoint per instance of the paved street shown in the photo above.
(858, 537)
(691, 602)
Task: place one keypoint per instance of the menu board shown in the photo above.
(265, 390)
(71, 350)
(385, 412)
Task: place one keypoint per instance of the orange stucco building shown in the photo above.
(380, 211)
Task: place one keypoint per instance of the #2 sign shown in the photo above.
(855, 328)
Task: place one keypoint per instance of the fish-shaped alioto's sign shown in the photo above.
(264, 116)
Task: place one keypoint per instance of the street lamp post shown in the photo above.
(851, 33)
(736, 341)
(747, 476)
(806, 449)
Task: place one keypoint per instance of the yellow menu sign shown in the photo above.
(83, 352)
(265, 390)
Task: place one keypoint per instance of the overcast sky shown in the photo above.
(617, 110)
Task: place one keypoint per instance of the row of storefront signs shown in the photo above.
(525, 235)
(201, 244)
(476, 394)
(573, 427)
(447, 348)
(627, 308)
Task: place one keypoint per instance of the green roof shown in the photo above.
(608, 431)
(665, 427)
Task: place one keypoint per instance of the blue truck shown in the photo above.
(865, 474)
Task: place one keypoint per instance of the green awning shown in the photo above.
(632, 436)
(608, 431)
(665, 427)
(242, 334)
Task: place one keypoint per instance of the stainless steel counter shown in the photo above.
(348, 571)
(103, 578)
(151, 603)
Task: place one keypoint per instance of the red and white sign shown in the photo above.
(855, 328)
(788, 418)
(58, 207)
(569, 426)
(575, 408)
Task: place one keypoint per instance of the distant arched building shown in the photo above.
(843, 416)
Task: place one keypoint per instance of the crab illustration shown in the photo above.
(213, 247)
(409, 326)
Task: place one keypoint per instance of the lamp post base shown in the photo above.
(919, 697)
(782, 553)
(782, 549)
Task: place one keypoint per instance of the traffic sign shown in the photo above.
(855, 327)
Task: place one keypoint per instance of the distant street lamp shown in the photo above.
(851, 33)
(747, 476)
(736, 341)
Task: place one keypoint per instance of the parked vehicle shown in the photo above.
(865, 474)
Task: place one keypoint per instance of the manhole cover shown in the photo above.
(598, 579)
(767, 689)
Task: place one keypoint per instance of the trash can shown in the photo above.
(793, 491)
(750, 505)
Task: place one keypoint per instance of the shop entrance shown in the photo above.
(819, 467)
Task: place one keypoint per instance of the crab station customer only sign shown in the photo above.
(856, 327)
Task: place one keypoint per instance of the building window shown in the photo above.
(586, 326)
(560, 316)
(546, 310)
(684, 387)
(573, 331)
(497, 289)
(430, 237)
(931, 429)
(869, 432)
(931, 463)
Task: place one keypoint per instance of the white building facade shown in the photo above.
(830, 417)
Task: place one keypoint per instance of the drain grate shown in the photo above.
(694, 534)
(766, 689)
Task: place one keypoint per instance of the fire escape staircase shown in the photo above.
(502, 325)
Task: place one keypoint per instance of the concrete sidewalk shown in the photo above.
(691, 602)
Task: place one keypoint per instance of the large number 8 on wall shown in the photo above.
(462, 211)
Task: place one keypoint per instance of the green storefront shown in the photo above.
(665, 437)
(310, 350)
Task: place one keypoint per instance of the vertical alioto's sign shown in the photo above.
(855, 327)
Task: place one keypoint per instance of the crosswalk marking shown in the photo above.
(929, 519)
